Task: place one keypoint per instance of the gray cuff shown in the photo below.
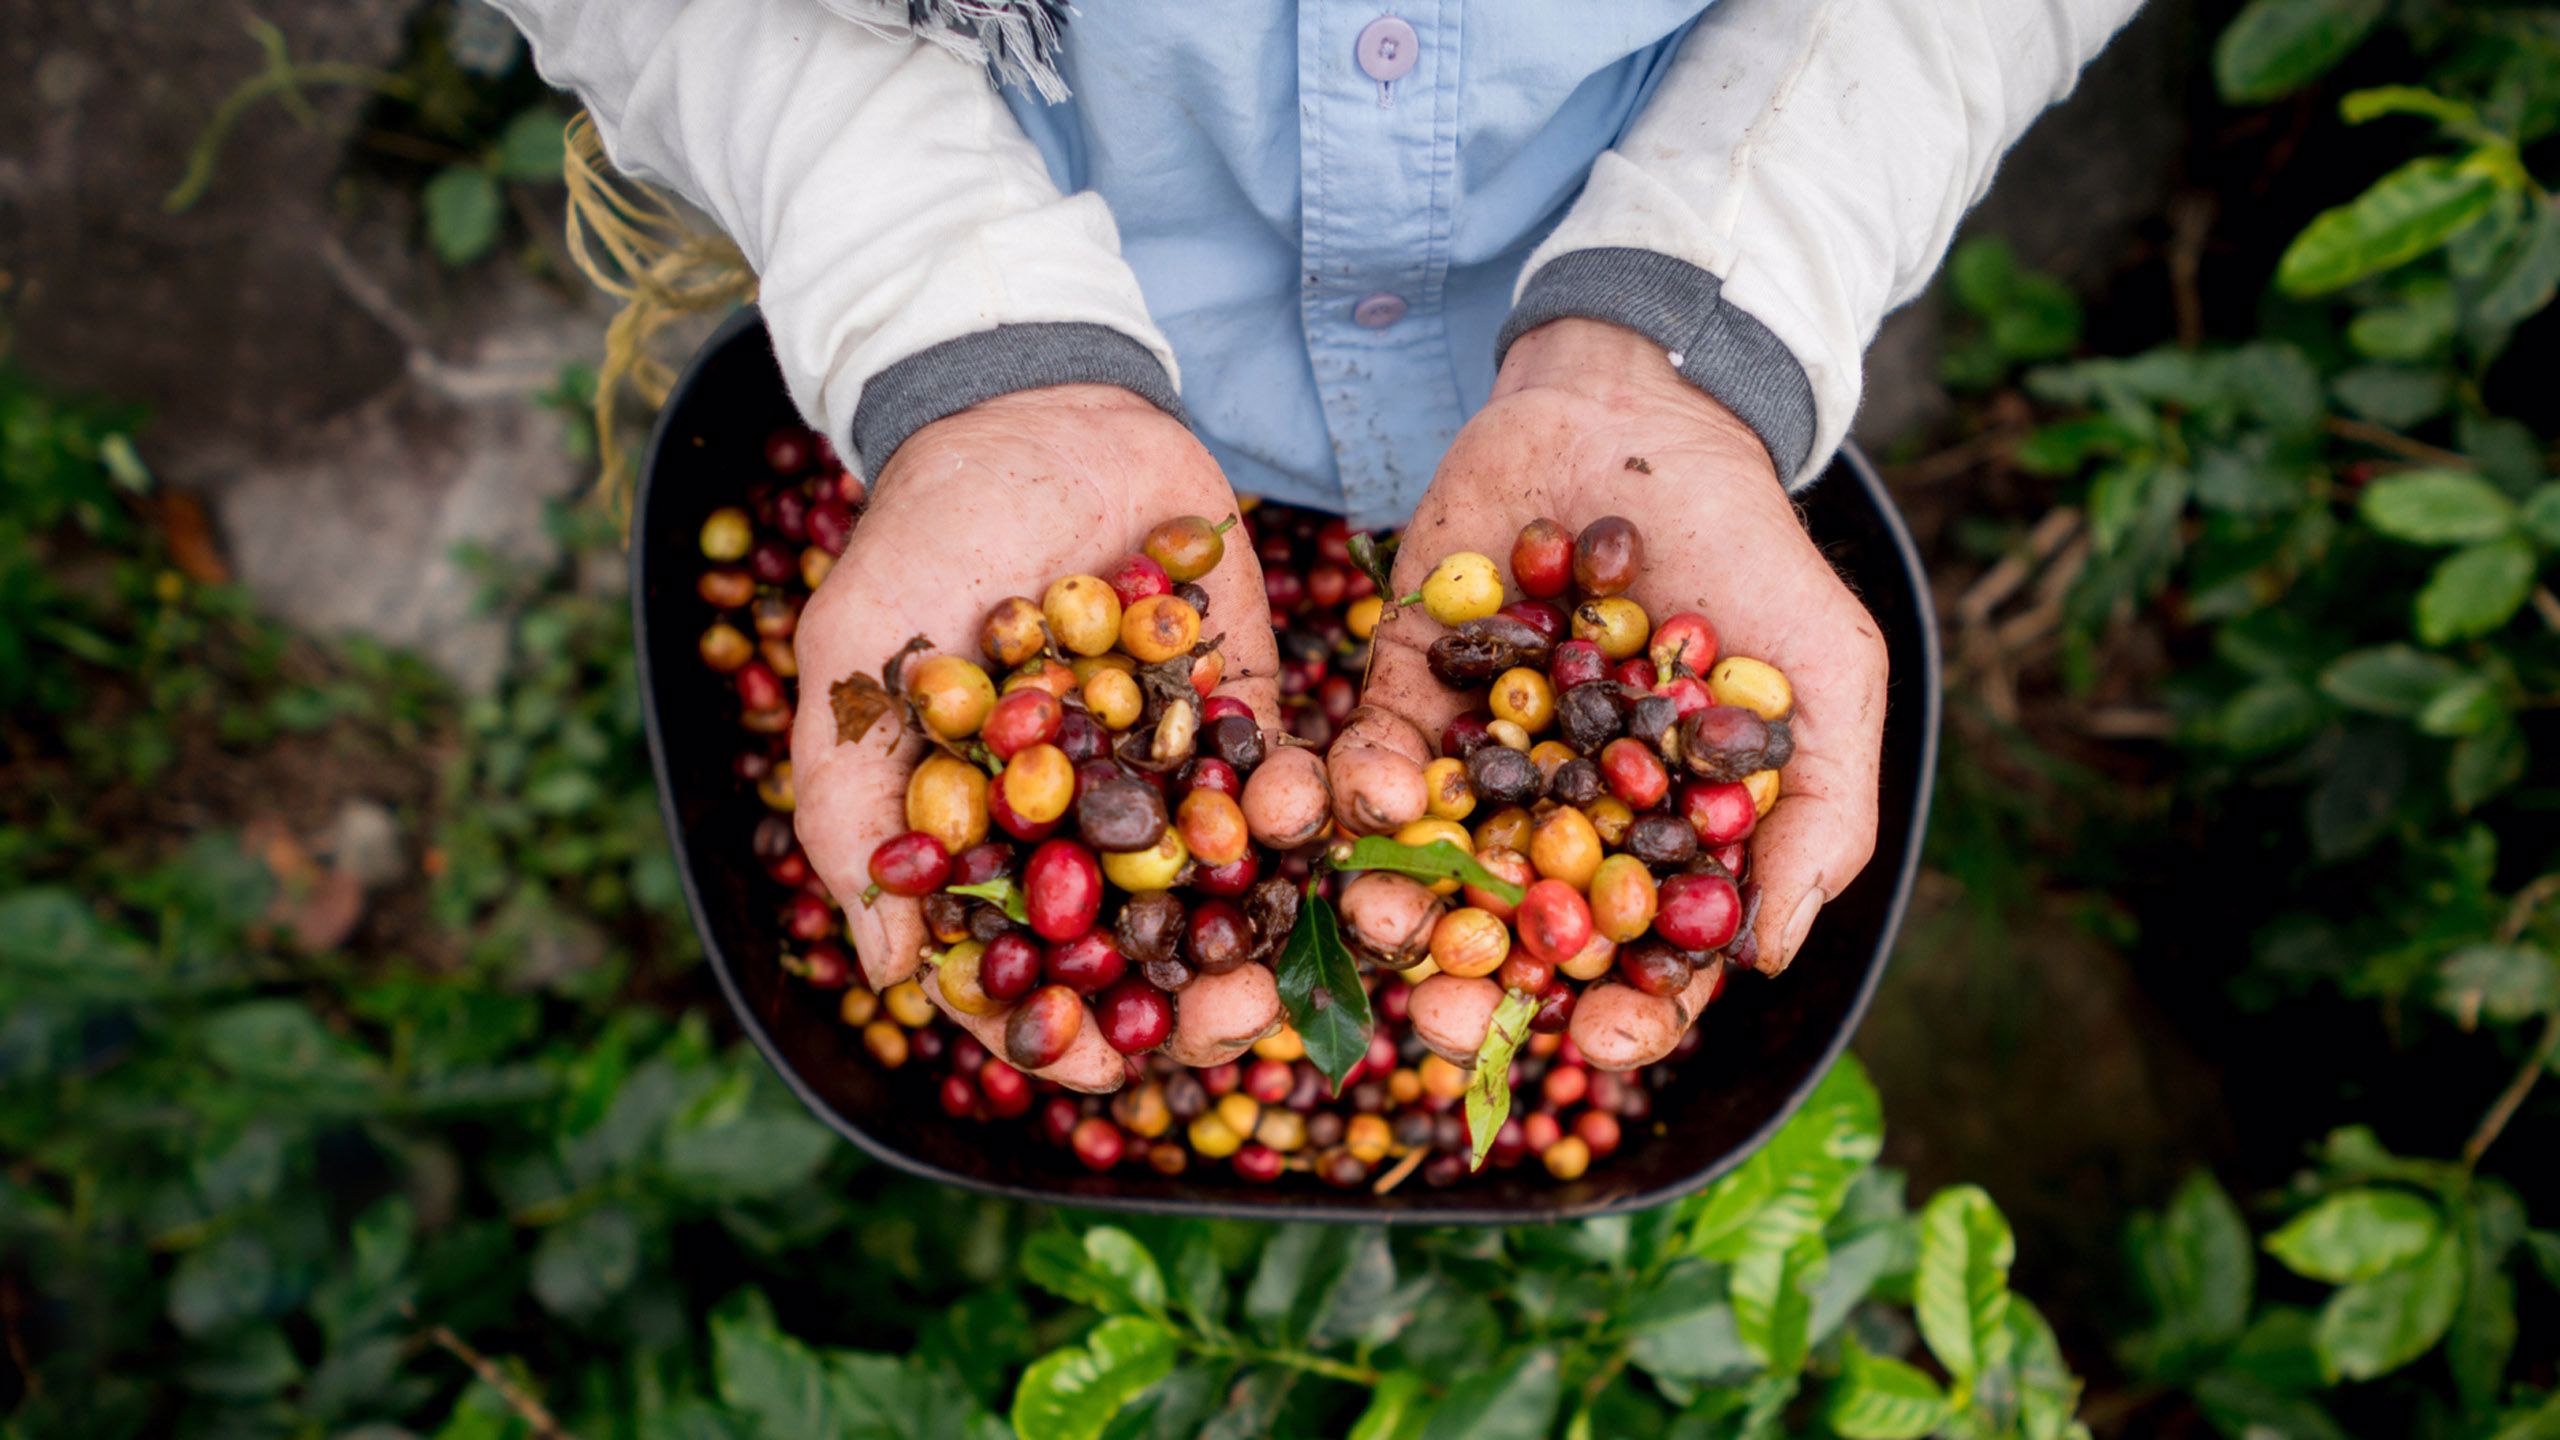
(1679, 307)
(956, 374)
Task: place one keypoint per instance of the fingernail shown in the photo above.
(1800, 924)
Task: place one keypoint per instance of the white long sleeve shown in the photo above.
(1817, 155)
(879, 187)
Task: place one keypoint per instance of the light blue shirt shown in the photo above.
(1330, 254)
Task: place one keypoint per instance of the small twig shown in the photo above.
(528, 1407)
(2130, 723)
(1395, 1176)
(2002, 580)
(2190, 223)
(12, 1307)
(2520, 910)
(2547, 605)
(2512, 1098)
(281, 78)
(2381, 437)
(1956, 459)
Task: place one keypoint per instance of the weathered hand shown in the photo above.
(1589, 420)
(995, 501)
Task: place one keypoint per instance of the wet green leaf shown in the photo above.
(1960, 1295)
(2437, 507)
(2355, 1235)
(1489, 1086)
(2474, 591)
(1320, 987)
(2274, 47)
(2402, 216)
(1880, 1398)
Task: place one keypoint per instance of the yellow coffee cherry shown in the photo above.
(1368, 1137)
(1238, 1112)
(1623, 898)
(886, 1042)
(1419, 973)
(1430, 828)
(1282, 1044)
(1214, 1138)
(1083, 613)
(729, 532)
(1523, 697)
(907, 1005)
(1114, 699)
(1755, 685)
(1085, 667)
(952, 696)
(1446, 791)
(1564, 846)
(957, 974)
(1158, 628)
(1504, 829)
(947, 799)
(1039, 783)
(1592, 961)
(1468, 942)
(1611, 817)
(1013, 631)
(1363, 616)
(859, 1006)
(1764, 788)
(1142, 1111)
(1282, 1129)
(1616, 624)
(1462, 587)
(1442, 1079)
(1549, 756)
(1567, 1158)
(1154, 868)
(1404, 1085)
(1509, 734)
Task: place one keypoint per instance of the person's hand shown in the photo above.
(1589, 420)
(996, 501)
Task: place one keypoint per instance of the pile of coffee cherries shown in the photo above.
(1614, 774)
(1124, 864)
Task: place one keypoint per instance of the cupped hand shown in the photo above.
(996, 501)
(1589, 420)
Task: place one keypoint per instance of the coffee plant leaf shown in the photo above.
(2437, 507)
(2405, 214)
(1772, 1292)
(1792, 1186)
(1880, 1398)
(2523, 285)
(1319, 1283)
(2505, 984)
(2393, 680)
(2275, 47)
(2374, 1326)
(1398, 1409)
(2356, 1235)
(2483, 1335)
(2193, 1262)
(2541, 515)
(2484, 765)
(2400, 397)
(1320, 987)
(1960, 1293)
(1517, 1400)
(2470, 706)
(2475, 590)
(462, 207)
(1072, 1393)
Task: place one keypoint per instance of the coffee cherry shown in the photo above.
(1136, 578)
(1718, 814)
(1686, 693)
(958, 1096)
(1020, 720)
(1576, 782)
(727, 534)
(1655, 967)
(1548, 620)
(825, 966)
(1607, 556)
(1087, 964)
(1160, 866)
(1553, 920)
(1015, 632)
(1135, 1016)
(759, 688)
(830, 532)
(1218, 938)
(962, 976)
(910, 864)
(1662, 841)
(1634, 773)
(1007, 1091)
(1683, 644)
(1755, 685)
(1503, 775)
(1728, 742)
(1042, 673)
(1523, 697)
(1236, 739)
(1228, 880)
(1509, 865)
(1542, 559)
(1158, 628)
(886, 1042)
(1598, 1131)
(1698, 912)
(1504, 829)
(1097, 1143)
(1468, 942)
(1213, 828)
(1083, 614)
(1010, 966)
(1119, 813)
(952, 696)
(1447, 794)
(1043, 1027)
(1616, 624)
(1462, 587)
(1567, 1158)
(1555, 1009)
(1622, 898)
(726, 588)
(725, 647)
(1564, 846)
(1636, 673)
(806, 917)
(1763, 786)
(1464, 736)
(1187, 546)
(1062, 890)
(773, 562)
(789, 450)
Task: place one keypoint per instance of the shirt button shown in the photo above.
(1378, 311)
(1388, 49)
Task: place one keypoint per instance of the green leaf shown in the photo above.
(582, 1264)
(2475, 591)
(2414, 329)
(1792, 1186)
(2048, 1394)
(2398, 396)
(1372, 561)
(1320, 986)
(2544, 1245)
(2542, 1423)
(1960, 1294)
(2471, 706)
(1439, 860)
(2355, 1235)
(1072, 1393)
(1515, 1401)
(2394, 680)
(2402, 216)
(2483, 1336)
(1881, 1398)
(2523, 284)
(1702, 1345)
(462, 207)
(1316, 1284)
(2062, 447)
(1104, 1268)
(2483, 765)
(2501, 983)
(750, 1156)
(1773, 1302)
(1397, 1409)
(2437, 507)
(1003, 892)
(220, 1284)
(2375, 1326)
(1489, 1086)
(2194, 1261)
(533, 145)
(2541, 515)
(2240, 1405)
(2274, 47)
(282, 1042)
(2269, 715)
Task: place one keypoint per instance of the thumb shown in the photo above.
(1822, 831)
